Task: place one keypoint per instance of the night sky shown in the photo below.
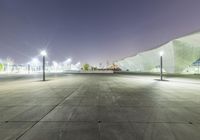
(92, 31)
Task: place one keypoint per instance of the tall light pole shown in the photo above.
(198, 65)
(69, 60)
(161, 66)
(28, 68)
(43, 53)
(68, 63)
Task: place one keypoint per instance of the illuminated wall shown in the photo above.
(179, 54)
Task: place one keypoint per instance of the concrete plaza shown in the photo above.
(99, 107)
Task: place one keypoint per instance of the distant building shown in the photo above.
(181, 55)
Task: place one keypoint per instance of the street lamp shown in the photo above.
(28, 68)
(161, 65)
(70, 60)
(34, 64)
(55, 66)
(68, 63)
(43, 53)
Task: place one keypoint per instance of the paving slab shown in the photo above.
(165, 131)
(60, 113)
(63, 131)
(32, 113)
(13, 130)
(117, 131)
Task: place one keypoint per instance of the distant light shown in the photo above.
(43, 53)
(69, 60)
(35, 61)
(55, 64)
(78, 63)
(161, 53)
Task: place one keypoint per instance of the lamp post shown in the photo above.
(43, 53)
(161, 66)
(28, 68)
(198, 65)
(67, 63)
(69, 60)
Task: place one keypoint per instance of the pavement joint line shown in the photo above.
(100, 121)
(161, 107)
(99, 130)
(18, 121)
(103, 122)
(161, 122)
(45, 115)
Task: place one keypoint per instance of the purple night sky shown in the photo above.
(92, 31)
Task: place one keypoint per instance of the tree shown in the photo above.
(86, 67)
(1, 67)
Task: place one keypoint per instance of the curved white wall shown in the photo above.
(178, 55)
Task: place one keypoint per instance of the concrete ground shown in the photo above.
(99, 107)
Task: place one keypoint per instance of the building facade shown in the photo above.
(179, 56)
